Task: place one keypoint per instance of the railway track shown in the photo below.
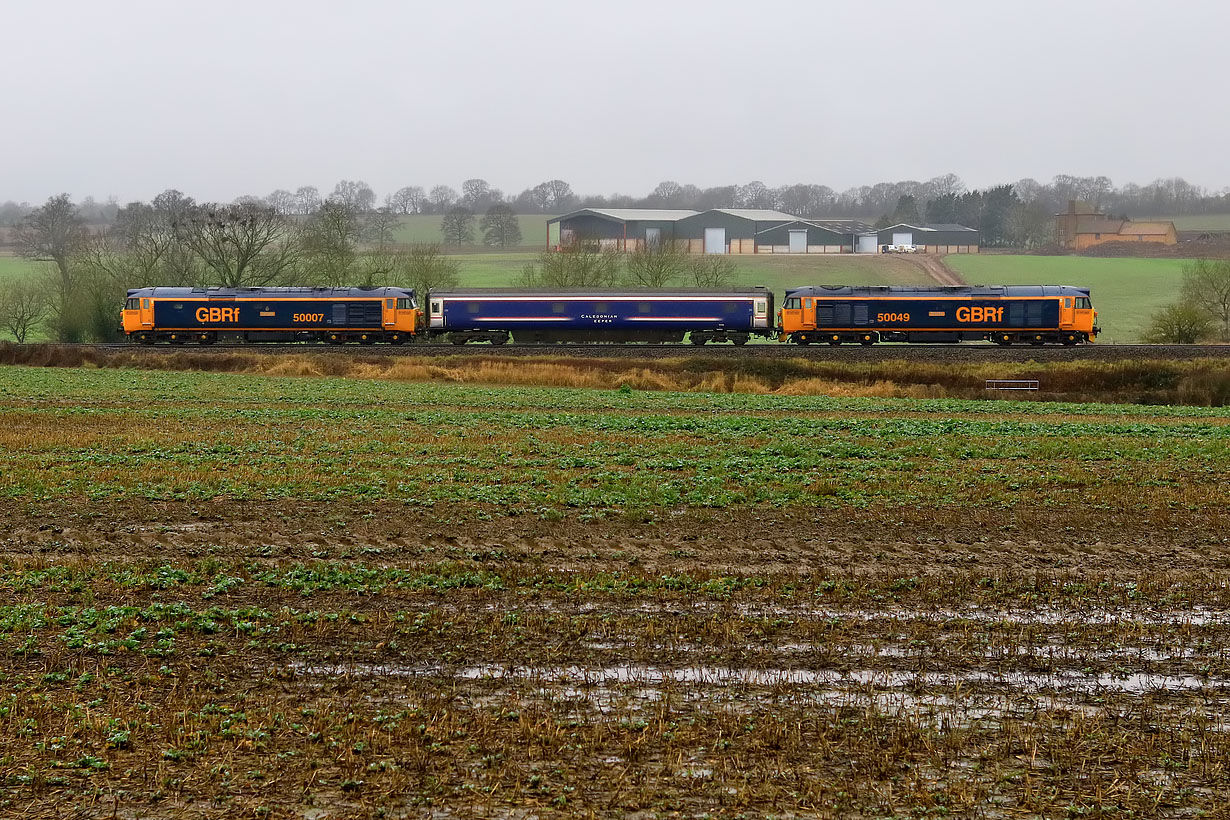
(880, 352)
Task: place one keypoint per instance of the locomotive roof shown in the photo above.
(744, 291)
(937, 290)
(260, 293)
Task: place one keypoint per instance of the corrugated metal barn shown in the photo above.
(750, 230)
(728, 230)
(945, 238)
(621, 228)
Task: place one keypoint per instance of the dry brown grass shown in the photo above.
(1183, 382)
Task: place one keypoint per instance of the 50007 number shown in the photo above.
(309, 317)
(892, 317)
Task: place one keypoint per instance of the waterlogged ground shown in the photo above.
(229, 596)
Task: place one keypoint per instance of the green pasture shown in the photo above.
(1194, 222)
(198, 436)
(426, 228)
(1125, 291)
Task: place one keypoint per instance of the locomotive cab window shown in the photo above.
(1083, 303)
(793, 303)
(405, 304)
(132, 304)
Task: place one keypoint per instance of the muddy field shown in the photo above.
(240, 596)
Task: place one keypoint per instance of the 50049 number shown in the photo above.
(892, 317)
(309, 317)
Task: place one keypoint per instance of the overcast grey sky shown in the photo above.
(224, 98)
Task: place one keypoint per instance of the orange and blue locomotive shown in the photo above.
(334, 315)
(1005, 314)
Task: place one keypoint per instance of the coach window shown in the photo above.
(472, 307)
(602, 307)
(557, 307)
(644, 307)
(435, 308)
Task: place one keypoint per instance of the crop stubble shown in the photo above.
(237, 596)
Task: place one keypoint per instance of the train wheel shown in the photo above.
(207, 338)
(1004, 340)
(457, 339)
(145, 338)
(698, 340)
(868, 340)
(397, 339)
(739, 340)
(835, 340)
(177, 339)
(1069, 340)
(1037, 341)
(367, 339)
(336, 339)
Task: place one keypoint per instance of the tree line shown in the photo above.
(1170, 196)
(175, 241)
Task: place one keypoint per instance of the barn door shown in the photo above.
(715, 240)
(798, 241)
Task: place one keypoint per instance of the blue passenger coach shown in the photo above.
(497, 314)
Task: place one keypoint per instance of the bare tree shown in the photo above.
(307, 200)
(553, 196)
(380, 226)
(711, 271)
(282, 201)
(580, 265)
(500, 227)
(424, 268)
(458, 226)
(356, 195)
(407, 200)
(1206, 285)
(442, 198)
(241, 245)
(23, 306)
(329, 245)
(656, 265)
(475, 193)
(53, 233)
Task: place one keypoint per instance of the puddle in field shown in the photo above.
(1198, 616)
(936, 651)
(721, 676)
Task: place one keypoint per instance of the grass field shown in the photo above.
(426, 228)
(236, 596)
(1125, 292)
(1195, 222)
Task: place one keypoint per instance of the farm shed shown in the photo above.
(940, 238)
(620, 228)
(803, 236)
(728, 230)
